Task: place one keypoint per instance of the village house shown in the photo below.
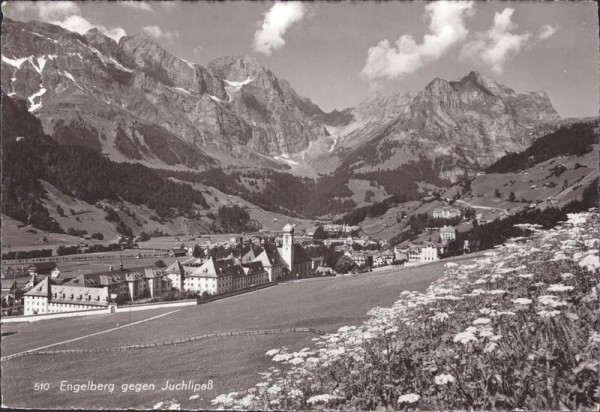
(38, 271)
(358, 258)
(426, 252)
(447, 234)
(178, 252)
(446, 213)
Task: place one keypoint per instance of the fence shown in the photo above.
(45, 316)
(211, 298)
(88, 256)
(168, 343)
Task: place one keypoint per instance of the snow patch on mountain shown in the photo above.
(70, 77)
(15, 62)
(35, 106)
(120, 66)
(192, 65)
(216, 99)
(238, 85)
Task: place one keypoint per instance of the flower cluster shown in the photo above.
(515, 328)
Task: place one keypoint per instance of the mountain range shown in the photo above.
(134, 101)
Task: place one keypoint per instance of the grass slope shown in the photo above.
(232, 363)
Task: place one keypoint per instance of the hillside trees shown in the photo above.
(575, 139)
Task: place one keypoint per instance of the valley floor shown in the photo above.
(231, 363)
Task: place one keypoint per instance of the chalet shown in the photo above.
(178, 252)
(358, 258)
(43, 269)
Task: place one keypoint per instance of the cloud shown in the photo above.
(497, 45)
(547, 31)
(50, 10)
(157, 33)
(21, 6)
(447, 28)
(66, 14)
(138, 5)
(81, 25)
(279, 18)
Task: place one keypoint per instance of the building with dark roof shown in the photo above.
(216, 276)
(290, 258)
(47, 297)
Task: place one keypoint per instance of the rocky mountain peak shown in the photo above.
(101, 41)
(438, 87)
(485, 84)
(239, 68)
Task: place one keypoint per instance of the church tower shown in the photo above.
(287, 247)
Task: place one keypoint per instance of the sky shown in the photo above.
(339, 54)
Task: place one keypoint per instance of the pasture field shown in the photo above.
(232, 363)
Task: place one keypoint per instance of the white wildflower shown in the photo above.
(443, 379)
(594, 338)
(490, 347)
(321, 398)
(409, 398)
(274, 390)
(481, 321)
(548, 313)
(440, 316)
(465, 338)
(559, 287)
(522, 301)
(272, 352)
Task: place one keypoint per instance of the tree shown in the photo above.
(97, 236)
(512, 197)
(497, 193)
(160, 263)
(331, 256)
(198, 252)
(320, 233)
(344, 265)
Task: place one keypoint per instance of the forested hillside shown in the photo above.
(576, 139)
(28, 155)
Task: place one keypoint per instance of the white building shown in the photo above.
(447, 234)
(423, 253)
(446, 213)
(46, 297)
(224, 275)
